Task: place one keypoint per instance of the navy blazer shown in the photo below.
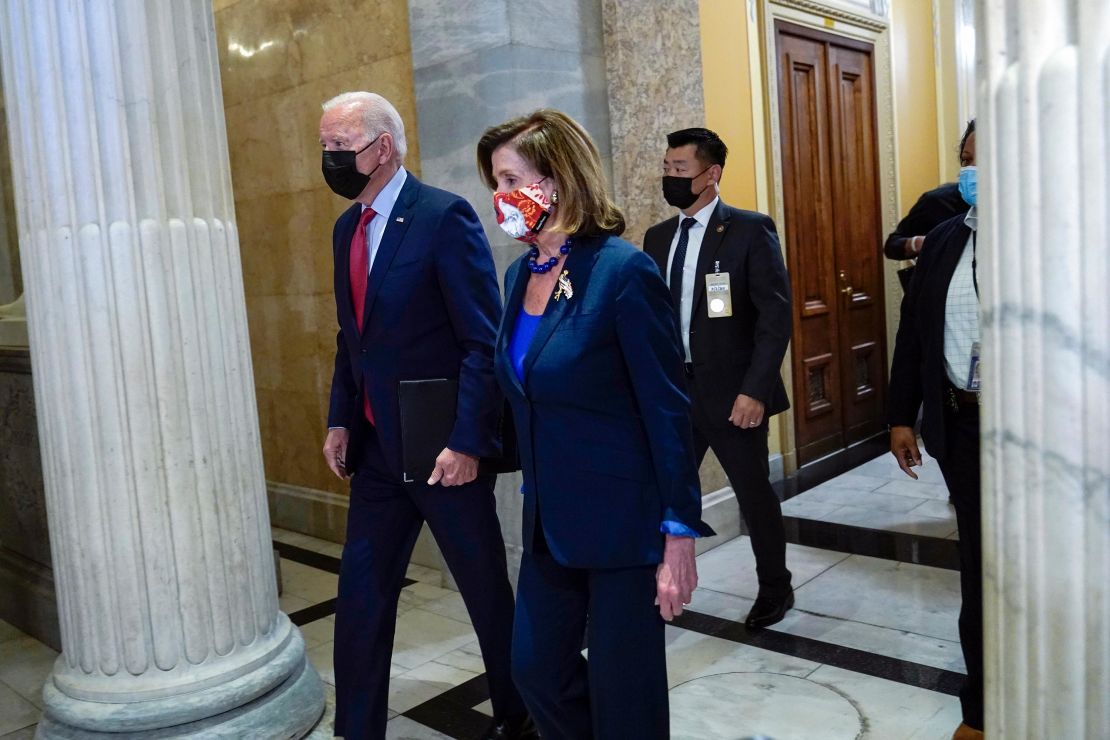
(918, 378)
(602, 416)
(432, 310)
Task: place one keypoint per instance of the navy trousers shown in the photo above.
(382, 526)
(621, 692)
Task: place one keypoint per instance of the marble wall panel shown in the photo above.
(459, 99)
(22, 501)
(481, 62)
(653, 56)
(279, 60)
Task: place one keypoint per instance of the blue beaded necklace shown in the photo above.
(540, 269)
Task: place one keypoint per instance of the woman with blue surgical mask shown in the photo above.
(936, 370)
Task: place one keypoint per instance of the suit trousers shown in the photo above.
(960, 468)
(621, 692)
(743, 455)
(384, 520)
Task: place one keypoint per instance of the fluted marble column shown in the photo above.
(155, 490)
(1044, 163)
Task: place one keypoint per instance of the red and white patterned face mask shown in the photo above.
(521, 213)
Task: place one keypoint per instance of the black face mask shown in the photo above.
(677, 190)
(341, 173)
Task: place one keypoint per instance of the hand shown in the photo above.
(903, 445)
(747, 412)
(454, 469)
(335, 452)
(676, 577)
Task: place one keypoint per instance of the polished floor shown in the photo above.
(870, 650)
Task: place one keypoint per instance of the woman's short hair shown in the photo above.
(558, 147)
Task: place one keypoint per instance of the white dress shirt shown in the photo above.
(383, 207)
(961, 312)
(690, 266)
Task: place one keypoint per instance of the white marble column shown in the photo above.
(1044, 162)
(152, 462)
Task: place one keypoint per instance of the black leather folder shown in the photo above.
(427, 420)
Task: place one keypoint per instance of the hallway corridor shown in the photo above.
(869, 651)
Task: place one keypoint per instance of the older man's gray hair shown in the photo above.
(378, 116)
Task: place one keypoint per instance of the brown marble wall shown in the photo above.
(653, 61)
(279, 60)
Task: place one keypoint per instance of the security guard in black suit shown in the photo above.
(729, 285)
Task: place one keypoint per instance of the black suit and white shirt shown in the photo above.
(728, 356)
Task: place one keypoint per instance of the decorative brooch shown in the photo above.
(565, 288)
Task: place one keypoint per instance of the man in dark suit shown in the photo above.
(416, 296)
(931, 210)
(730, 289)
(936, 371)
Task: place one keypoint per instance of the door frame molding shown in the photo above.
(832, 17)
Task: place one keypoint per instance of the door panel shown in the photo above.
(833, 238)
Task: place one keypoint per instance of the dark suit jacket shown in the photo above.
(931, 209)
(432, 310)
(917, 375)
(602, 416)
(742, 353)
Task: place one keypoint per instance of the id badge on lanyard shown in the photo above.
(973, 371)
(718, 293)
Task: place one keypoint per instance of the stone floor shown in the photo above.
(870, 650)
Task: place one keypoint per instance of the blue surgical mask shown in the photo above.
(969, 184)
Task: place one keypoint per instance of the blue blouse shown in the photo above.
(523, 333)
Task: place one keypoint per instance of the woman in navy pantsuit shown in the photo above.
(588, 355)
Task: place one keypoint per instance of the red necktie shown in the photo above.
(360, 276)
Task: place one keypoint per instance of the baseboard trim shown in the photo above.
(28, 599)
(323, 514)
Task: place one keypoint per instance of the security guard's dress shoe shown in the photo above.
(965, 732)
(768, 610)
(518, 728)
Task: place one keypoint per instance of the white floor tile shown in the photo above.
(915, 489)
(893, 643)
(27, 733)
(451, 606)
(422, 637)
(937, 509)
(311, 584)
(403, 728)
(290, 603)
(323, 658)
(417, 686)
(909, 522)
(25, 664)
(894, 711)
(466, 658)
(692, 654)
(420, 594)
(807, 508)
(876, 501)
(901, 596)
(16, 712)
(424, 574)
(761, 704)
(730, 568)
(318, 632)
(856, 481)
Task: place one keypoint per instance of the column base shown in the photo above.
(289, 711)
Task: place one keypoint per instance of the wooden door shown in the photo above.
(833, 238)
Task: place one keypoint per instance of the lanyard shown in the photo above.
(975, 261)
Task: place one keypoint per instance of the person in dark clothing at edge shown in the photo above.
(933, 208)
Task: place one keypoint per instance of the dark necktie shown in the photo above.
(360, 276)
(679, 261)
